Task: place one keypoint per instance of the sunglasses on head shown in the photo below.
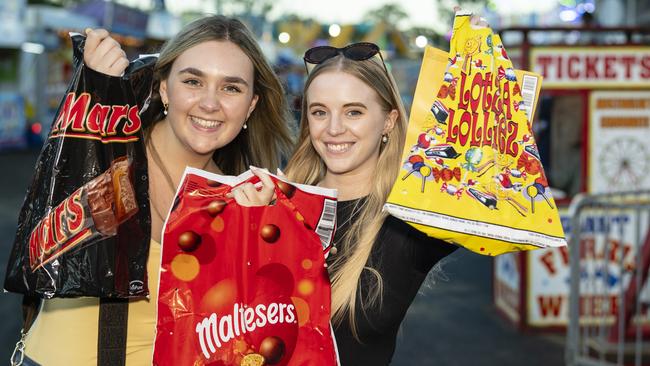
(356, 51)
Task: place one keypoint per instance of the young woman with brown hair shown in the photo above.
(219, 107)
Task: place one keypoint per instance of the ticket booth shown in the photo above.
(592, 127)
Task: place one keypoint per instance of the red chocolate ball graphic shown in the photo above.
(270, 233)
(286, 188)
(189, 241)
(272, 348)
(216, 207)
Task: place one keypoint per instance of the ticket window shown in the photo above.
(560, 138)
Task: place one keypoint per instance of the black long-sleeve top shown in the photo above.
(403, 256)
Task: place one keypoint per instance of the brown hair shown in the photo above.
(267, 140)
(306, 166)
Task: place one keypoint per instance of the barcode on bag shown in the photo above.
(528, 90)
(326, 223)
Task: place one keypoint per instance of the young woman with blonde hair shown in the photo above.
(352, 132)
(216, 105)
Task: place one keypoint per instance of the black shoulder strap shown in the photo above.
(113, 321)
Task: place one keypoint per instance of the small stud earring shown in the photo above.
(384, 138)
(165, 110)
(245, 125)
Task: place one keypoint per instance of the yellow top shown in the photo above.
(65, 332)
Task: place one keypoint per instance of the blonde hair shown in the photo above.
(306, 166)
(267, 139)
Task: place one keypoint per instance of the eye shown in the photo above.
(232, 89)
(354, 113)
(318, 113)
(192, 82)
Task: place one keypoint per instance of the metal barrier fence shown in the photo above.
(609, 300)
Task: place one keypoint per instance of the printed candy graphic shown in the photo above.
(471, 172)
(245, 285)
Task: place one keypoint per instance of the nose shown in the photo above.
(209, 101)
(335, 125)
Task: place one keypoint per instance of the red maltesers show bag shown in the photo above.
(245, 285)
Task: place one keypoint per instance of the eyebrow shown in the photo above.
(227, 79)
(356, 104)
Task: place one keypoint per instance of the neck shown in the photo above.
(350, 186)
(176, 156)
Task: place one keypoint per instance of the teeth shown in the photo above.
(204, 122)
(338, 147)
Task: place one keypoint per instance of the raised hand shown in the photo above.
(104, 54)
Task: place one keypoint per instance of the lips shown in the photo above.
(204, 123)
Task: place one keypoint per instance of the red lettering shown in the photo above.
(614, 249)
(588, 248)
(97, 118)
(628, 61)
(34, 252)
(133, 121)
(465, 95)
(609, 67)
(501, 134)
(57, 224)
(506, 100)
(75, 217)
(564, 254)
(547, 261)
(590, 67)
(550, 305)
(477, 131)
(464, 126)
(572, 70)
(47, 243)
(61, 120)
(477, 84)
(512, 148)
(119, 112)
(452, 129)
(560, 68)
(77, 114)
(488, 131)
(645, 67)
(487, 96)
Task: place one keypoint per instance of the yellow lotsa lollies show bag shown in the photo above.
(471, 173)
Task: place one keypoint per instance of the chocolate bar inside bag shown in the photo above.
(84, 227)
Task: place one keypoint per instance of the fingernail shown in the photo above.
(88, 30)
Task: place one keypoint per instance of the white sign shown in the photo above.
(619, 154)
(593, 67)
(601, 272)
(507, 285)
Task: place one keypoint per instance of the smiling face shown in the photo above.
(210, 95)
(346, 123)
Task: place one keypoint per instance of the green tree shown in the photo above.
(247, 7)
(446, 8)
(390, 14)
